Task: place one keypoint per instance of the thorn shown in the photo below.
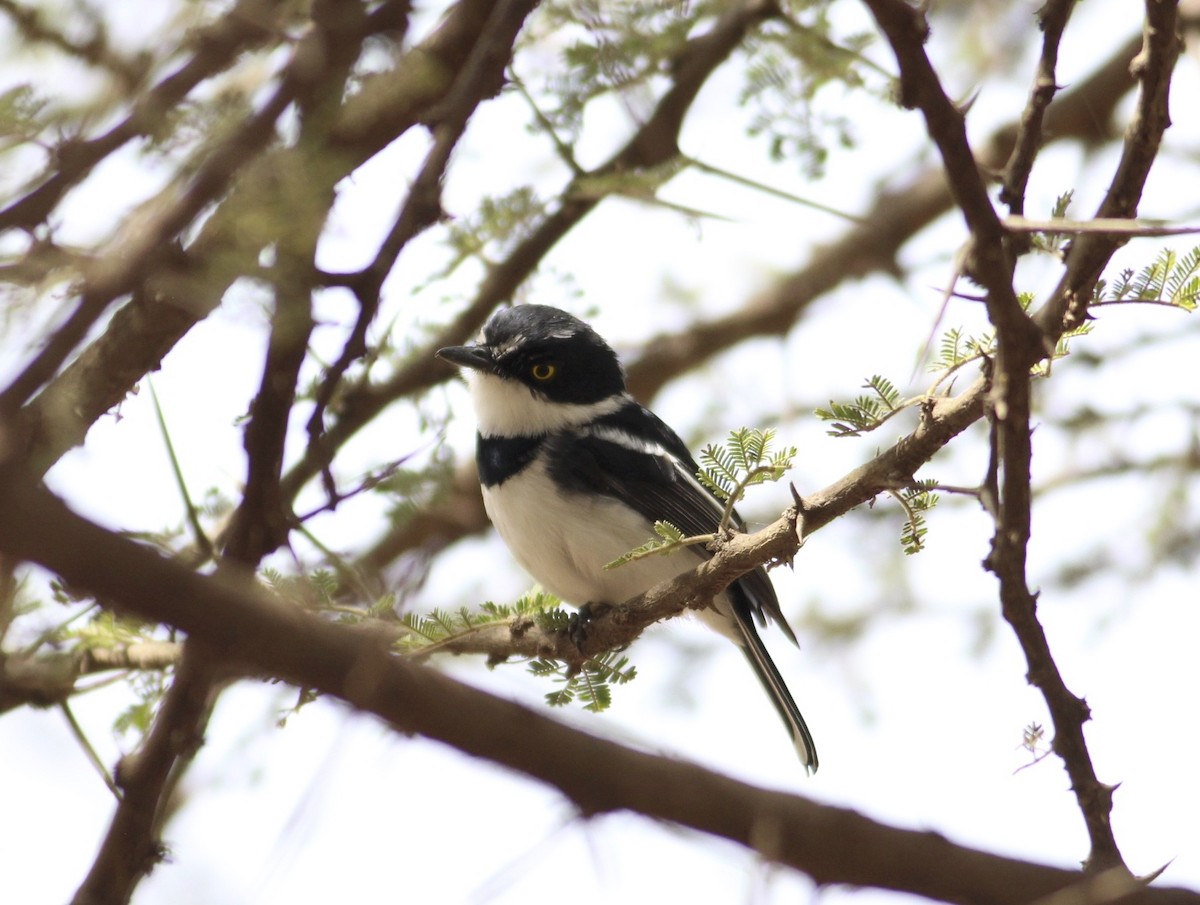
(1147, 879)
(797, 499)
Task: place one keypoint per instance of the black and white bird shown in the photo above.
(575, 473)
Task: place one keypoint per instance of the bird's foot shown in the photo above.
(577, 626)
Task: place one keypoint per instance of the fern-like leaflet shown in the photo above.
(865, 413)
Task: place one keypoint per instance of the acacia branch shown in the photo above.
(612, 627)
(1012, 440)
(654, 144)
(1052, 19)
(43, 680)
(185, 285)
(480, 78)
(257, 634)
(1019, 345)
(871, 247)
(1090, 253)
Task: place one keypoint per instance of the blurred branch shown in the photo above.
(255, 633)
(1106, 225)
(42, 680)
(480, 78)
(263, 519)
(147, 778)
(187, 284)
(217, 46)
(654, 144)
(319, 71)
(1052, 19)
(153, 228)
(94, 51)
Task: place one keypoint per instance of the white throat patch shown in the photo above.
(508, 408)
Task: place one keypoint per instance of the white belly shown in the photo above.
(564, 540)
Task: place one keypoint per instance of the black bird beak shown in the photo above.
(478, 358)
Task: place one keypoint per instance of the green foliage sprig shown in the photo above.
(916, 501)
(1050, 242)
(865, 413)
(746, 459)
(439, 626)
(590, 683)
(1171, 279)
(668, 540)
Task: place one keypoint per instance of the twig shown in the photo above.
(1053, 20)
(770, 190)
(86, 745)
(199, 536)
(988, 258)
(654, 144)
(1090, 253)
(480, 77)
(1105, 226)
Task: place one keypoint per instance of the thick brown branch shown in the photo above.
(261, 635)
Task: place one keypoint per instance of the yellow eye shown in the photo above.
(543, 371)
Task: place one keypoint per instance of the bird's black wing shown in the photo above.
(634, 456)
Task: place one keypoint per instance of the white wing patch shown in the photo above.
(621, 437)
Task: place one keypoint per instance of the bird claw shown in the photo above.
(577, 625)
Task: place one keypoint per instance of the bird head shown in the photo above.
(537, 369)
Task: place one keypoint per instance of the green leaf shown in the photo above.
(916, 500)
(1172, 278)
(591, 685)
(865, 413)
(669, 540)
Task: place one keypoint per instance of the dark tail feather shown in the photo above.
(764, 667)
